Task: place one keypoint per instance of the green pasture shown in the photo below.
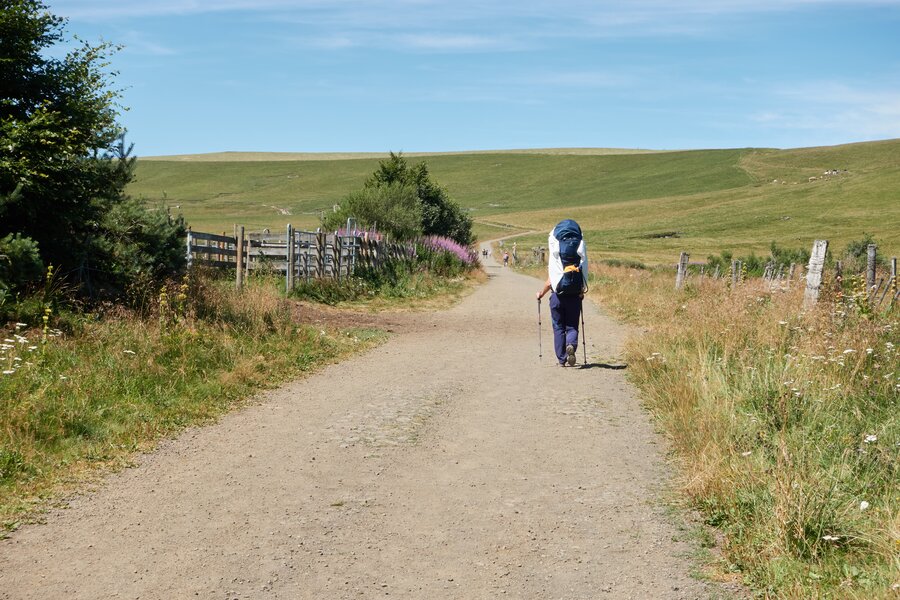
(643, 206)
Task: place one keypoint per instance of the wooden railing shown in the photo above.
(299, 255)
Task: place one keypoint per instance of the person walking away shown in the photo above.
(567, 284)
(506, 259)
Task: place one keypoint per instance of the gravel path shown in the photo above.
(447, 463)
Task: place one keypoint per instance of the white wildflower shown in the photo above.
(863, 505)
(830, 538)
(849, 351)
(869, 439)
(869, 350)
(747, 453)
(9, 372)
(782, 322)
(21, 325)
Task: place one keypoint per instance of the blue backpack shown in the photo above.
(568, 234)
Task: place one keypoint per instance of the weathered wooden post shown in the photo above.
(239, 256)
(682, 270)
(814, 272)
(734, 273)
(320, 254)
(190, 243)
(289, 271)
(871, 251)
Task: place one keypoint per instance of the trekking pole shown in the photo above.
(583, 341)
(540, 352)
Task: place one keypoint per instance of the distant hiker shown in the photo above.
(567, 281)
(506, 259)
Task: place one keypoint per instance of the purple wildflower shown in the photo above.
(437, 242)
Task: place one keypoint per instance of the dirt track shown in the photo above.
(448, 463)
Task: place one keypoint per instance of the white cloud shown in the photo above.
(835, 108)
(443, 41)
(384, 13)
(136, 42)
(579, 79)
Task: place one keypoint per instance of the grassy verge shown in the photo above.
(430, 282)
(784, 422)
(76, 402)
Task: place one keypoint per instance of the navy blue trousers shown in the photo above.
(564, 313)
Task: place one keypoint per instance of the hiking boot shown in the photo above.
(570, 355)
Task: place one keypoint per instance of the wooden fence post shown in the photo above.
(190, 254)
(814, 272)
(320, 254)
(239, 256)
(871, 252)
(289, 270)
(734, 273)
(682, 270)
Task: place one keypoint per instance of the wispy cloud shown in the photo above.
(444, 41)
(836, 108)
(137, 42)
(621, 17)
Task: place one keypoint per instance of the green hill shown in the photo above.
(641, 205)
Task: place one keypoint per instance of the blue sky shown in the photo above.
(424, 75)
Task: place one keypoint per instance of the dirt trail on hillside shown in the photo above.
(448, 463)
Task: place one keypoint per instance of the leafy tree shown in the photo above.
(394, 208)
(440, 215)
(63, 162)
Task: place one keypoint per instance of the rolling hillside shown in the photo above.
(641, 205)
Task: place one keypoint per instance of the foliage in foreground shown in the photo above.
(102, 386)
(785, 423)
(65, 165)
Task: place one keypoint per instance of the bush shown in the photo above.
(437, 214)
(855, 257)
(142, 245)
(393, 209)
(20, 262)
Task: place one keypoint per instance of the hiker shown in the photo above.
(567, 282)
(506, 259)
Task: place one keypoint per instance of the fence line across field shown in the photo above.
(877, 289)
(299, 255)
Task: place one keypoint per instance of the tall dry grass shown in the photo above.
(784, 422)
(85, 396)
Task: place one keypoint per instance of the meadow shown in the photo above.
(632, 205)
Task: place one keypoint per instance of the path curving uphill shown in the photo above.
(448, 463)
